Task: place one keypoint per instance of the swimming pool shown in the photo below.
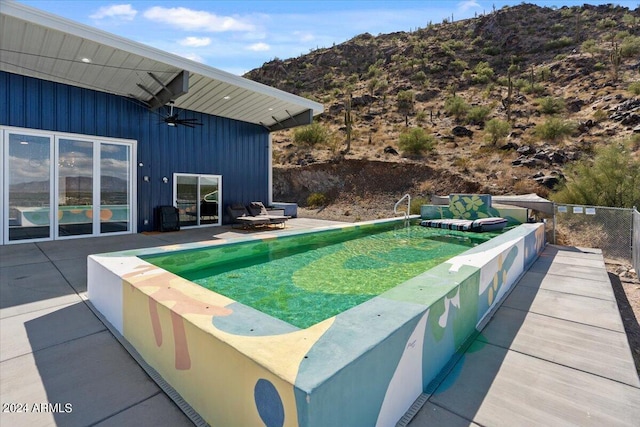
(308, 278)
(236, 365)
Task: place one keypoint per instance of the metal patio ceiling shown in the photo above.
(37, 44)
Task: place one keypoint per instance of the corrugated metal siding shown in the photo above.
(236, 150)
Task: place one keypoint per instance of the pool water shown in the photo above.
(303, 284)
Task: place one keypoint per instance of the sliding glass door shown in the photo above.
(57, 186)
(197, 198)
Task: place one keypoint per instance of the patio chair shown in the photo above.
(258, 210)
(239, 214)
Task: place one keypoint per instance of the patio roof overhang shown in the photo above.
(41, 45)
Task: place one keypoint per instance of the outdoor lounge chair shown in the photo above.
(258, 210)
(240, 216)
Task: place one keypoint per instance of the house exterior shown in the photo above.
(98, 131)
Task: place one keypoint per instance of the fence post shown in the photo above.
(635, 240)
(554, 223)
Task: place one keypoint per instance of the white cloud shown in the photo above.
(195, 41)
(303, 37)
(122, 11)
(196, 20)
(469, 4)
(259, 47)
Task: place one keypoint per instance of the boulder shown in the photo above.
(549, 181)
(525, 149)
(461, 131)
(509, 146)
(390, 150)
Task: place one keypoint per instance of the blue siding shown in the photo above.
(236, 150)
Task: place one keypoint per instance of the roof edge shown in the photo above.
(40, 17)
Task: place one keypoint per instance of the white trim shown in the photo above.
(3, 196)
(270, 171)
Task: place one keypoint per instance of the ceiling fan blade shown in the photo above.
(188, 122)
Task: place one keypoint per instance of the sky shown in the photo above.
(238, 36)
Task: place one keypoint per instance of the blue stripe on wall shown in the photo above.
(236, 150)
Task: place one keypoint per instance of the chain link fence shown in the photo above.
(610, 229)
(636, 241)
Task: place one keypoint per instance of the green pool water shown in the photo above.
(305, 279)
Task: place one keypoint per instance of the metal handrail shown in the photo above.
(408, 211)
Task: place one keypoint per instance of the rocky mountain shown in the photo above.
(563, 80)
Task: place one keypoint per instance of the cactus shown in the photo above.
(348, 121)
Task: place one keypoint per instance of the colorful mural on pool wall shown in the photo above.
(365, 366)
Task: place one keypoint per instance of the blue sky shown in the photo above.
(237, 36)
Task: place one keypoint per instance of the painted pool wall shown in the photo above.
(377, 358)
(170, 323)
(366, 366)
(473, 206)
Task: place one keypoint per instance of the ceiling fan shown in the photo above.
(174, 120)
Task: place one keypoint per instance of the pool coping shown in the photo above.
(313, 365)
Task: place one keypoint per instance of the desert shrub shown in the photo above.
(419, 77)
(416, 204)
(477, 115)
(590, 46)
(634, 88)
(316, 199)
(544, 73)
(461, 162)
(459, 64)
(406, 99)
(482, 73)
(606, 23)
(373, 71)
(554, 129)
(421, 116)
(535, 88)
(612, 178)
(415, 142)
(558, 43)
(551, 105)
(491, 50)
(630, 47)
(557, 28)
(312, 135)
(456, 106)
(496, 129)
(600, 115)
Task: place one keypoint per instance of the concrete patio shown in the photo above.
(555, 353)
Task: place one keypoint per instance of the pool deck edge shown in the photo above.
(548, 356)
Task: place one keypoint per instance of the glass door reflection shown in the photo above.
(29, 187)
(75, 187)
(115, 184)
(186, 197)
(209, 202)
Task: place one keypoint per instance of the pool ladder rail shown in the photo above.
(408, 211)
